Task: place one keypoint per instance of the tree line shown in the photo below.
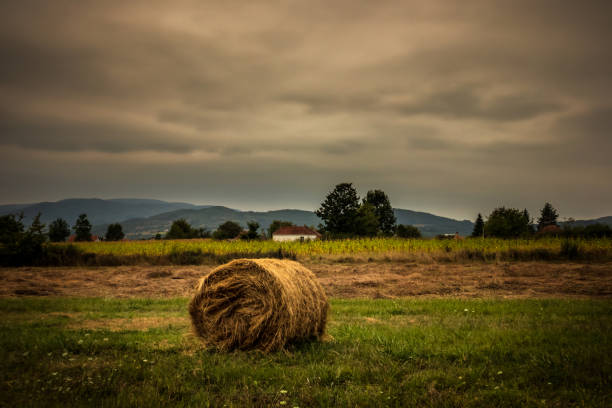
(345, 215)
(181, 229)
(512, 223)
(342, 212)
(59, 230)
(22, 246)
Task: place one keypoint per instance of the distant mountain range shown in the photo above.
(211, 217)
(431, 225)
(584, 223)
(143, 218)
(98, 211)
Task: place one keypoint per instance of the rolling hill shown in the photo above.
(211, 217)
(98, 211)
(584, 223)
(431, 225)
(143, 218)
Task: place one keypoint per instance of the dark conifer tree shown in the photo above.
(82, 228)
(114, 232)
(383, 210)
(528, 222)
(339, 210)
(59, 230)
(548, 216)
(478, 227)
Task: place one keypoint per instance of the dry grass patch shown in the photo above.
(133, 323)
(356, 280)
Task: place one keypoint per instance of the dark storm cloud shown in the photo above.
(448, 106)
(431, 143)
(37, 67)
(322, 102)
(586, 137)
(465, 103)
(70, 135)
(462, 102)
(592, 127)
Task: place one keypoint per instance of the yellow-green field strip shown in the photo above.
(380, 246)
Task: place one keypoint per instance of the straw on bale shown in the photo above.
(258, 304)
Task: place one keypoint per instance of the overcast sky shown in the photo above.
(450, 107)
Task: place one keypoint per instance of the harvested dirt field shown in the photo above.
(368, 280)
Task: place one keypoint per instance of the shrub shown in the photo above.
(61, 255)
(591, 231)
(407, 231)
(186, 257)
(114, 232)
(570, 249)
(181, 229)
(508, 223)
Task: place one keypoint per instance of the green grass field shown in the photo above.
(432, 352)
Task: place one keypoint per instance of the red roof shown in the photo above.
(550, 229)
(295, 231)
(72, 238)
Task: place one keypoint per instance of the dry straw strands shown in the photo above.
(258, 304)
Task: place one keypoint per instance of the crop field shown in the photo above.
(375, 248)
(432, 352)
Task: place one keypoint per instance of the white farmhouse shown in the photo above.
(294, 234)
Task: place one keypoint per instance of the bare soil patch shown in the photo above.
(347, 280)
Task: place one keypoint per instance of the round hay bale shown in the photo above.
(258, 304)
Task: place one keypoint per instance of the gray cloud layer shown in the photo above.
(449, 107)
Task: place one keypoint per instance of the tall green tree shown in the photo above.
(37, 227)
(114, 232)
(11, 228)
(507, 223)
(339, 210)
(527, 219)
(59, 230)
(17, 245)
(33, 240)
(82, 228)
(478, 226)
(383, 210)
(253, 226)
(366, 221)
(548, 216)
(227, 230)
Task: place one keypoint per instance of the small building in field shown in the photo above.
(295, 233)
(553, 230)
(450, 236)
(72, 238)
